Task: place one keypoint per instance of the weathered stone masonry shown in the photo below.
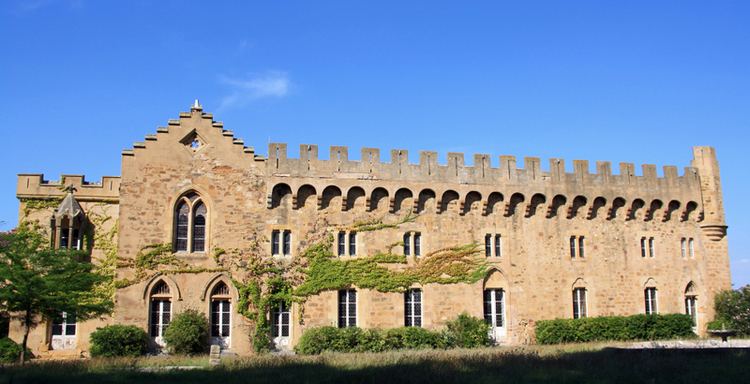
(534, 212)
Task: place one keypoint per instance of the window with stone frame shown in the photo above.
(190, 224)
(413, 307)
(347, 308)
(579, 303)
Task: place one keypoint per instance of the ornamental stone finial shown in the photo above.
(196, 106)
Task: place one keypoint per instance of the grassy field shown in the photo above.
(589, 363)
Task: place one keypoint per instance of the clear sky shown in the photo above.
(635, 81)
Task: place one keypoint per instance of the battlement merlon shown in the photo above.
(507, 173)
(34, 186)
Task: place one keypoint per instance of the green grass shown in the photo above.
(586, 363)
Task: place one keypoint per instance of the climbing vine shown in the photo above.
(32, 205)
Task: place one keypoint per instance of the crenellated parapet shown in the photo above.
(34, 186)
(528, 190)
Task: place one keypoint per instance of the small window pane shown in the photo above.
(275, 242)
(487, 245)
(352, 243)
(572, 246)
(417, 244)
(199, 228)
(498, 246)
(287, 243)
(407, 244)
(580, 247)
(181, 243)
(342, 244)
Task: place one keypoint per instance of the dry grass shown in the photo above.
(578, 363)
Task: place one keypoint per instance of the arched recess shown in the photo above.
(403, 199)
(306, 196)
(449, 201)
(691, 302)
(579, 283)
(598, 204)
(515, 199)
(281, 195)
(578, 203)
(635, 206)
(495, 279)
(426, 201)
(473, 201)
(617, 203)
(690, 207)
(653, 209)
(355, 198)
(379, 199)
(650, 282)
(557, 202)
(173, 287)
(331, 198)
(690, 289)
(536, 201)
(216, 279)
(672, 207)
(494, 203)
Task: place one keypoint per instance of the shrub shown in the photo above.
(636, 327)
(187, 333)
(412, 338)
(119, 340)
(467, 332)
(316, 340)
(733, 309)
(10, 351)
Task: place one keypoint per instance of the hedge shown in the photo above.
(465, 331)
(622, 328)
(119, 340)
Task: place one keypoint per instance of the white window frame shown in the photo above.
(651, 301)
(160, 324)
(347, 315)
(411, 305)
(691, 303)
(497, 330)
(580, 305)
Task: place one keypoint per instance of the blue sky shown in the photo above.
(636, 81)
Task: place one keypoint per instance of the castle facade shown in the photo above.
(196, 215)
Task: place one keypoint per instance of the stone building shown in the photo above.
(194, 205)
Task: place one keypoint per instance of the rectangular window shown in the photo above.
(75, 242)
(220, 313)
(683, 247)
(275, 242)
(572, 247)
(347, 308)
(413, 307)
(64, 237)
(280, 316)
(580, 247)
(691, 248)
(579, 303)
(651, 247)
(407, 244)
(287, 243)
(650, 298)
(643, 247)
(342, 244)
(64, 325)
(493, 307)
(498, 246)
(417, 244)
(352, 243)
(160, 317)
(487, 245)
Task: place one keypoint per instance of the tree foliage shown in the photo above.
(37, 282)
(733, 309)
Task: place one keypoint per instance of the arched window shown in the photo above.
(161, 310)
(190, 219)
(221, 313)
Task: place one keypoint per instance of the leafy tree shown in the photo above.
(733, 308)
(37, 283)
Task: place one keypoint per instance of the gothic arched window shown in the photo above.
(190, 218)
(161, 309)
